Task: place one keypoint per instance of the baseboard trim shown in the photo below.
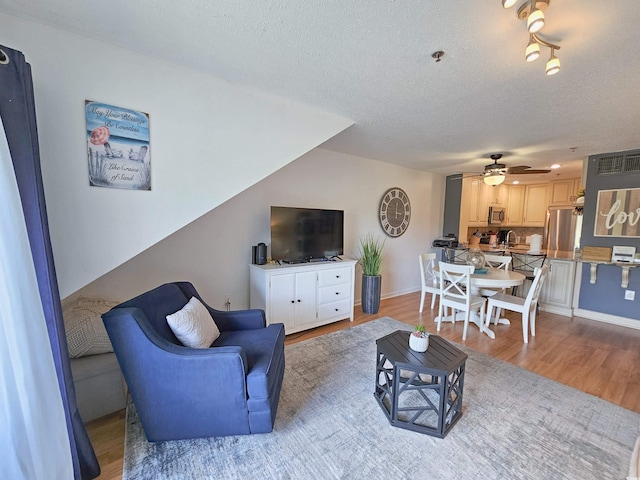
(400, 292)
(565, 312)
(392, 295)
(606, 318)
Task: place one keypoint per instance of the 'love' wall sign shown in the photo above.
(618, 213)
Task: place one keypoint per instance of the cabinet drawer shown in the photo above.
(334, 293)
(334, 276)
(335, 309)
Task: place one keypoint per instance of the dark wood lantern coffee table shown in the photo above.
(420, 391)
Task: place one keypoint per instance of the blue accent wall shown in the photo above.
(607, 295)
(452, 199)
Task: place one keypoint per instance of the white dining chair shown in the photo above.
(495, 261)
(428, 278)
(455, 293)
(525, 306)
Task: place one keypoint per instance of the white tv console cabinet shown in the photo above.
(304, 296)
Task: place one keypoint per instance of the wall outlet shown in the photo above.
(629, 294)
(227, 301)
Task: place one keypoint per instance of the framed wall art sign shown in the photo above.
(618, 213)
(117, 147)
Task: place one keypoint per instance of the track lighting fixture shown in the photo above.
(531, 11)
(553, 65)
(532, 52)
(535, 20)
(508, 3)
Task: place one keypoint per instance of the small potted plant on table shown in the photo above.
(419, 339)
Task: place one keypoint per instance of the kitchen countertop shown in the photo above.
(551, 254)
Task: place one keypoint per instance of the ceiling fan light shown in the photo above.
(535, 21)
(532, 52)
(494, 179)
(508, 3)
(553, 65)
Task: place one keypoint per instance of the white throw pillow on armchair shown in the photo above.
(193, 325)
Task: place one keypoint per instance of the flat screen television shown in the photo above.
(306, 234)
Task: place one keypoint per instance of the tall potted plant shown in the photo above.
(370, 260)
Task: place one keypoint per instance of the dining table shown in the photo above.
(487, 278)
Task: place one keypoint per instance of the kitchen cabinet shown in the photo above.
(564, 192)
(475, 202)
(303, 296)
(556, 295)
(535, 205)
(515, 205)
(497, 196)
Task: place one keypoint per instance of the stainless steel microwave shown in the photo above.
(497, 216)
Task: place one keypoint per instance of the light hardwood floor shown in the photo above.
(594, 357)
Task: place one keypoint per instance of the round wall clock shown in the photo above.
(395, 212)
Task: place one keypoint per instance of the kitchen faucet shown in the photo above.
(507, 237)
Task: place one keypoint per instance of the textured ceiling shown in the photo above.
(371, 61)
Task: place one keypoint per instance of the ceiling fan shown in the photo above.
(494, 173)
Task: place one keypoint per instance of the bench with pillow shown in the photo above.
(98, 380)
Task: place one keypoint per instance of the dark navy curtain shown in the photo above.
(17, 110)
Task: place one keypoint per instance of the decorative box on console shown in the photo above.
(596, 254)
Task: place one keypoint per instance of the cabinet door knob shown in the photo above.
(293, 301)
(337, 293)
(337, 310)
(337, 276)
(299, 300)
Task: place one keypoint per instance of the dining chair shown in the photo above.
(456, 255)
(495, 261)
(525, 306)
(428, 278)
(526, 263)
(455, 293)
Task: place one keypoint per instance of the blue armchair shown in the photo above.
(231, 388)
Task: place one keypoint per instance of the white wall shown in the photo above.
(214, 252)
(209, 141)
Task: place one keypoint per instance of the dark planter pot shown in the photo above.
(371, 293)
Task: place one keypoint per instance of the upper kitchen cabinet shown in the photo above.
(564, 192)
(497, 196)
(536, 201)
(475, 202)
(515, 205)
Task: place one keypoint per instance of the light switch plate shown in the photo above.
(629, 294)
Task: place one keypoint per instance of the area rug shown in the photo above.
(515, 424)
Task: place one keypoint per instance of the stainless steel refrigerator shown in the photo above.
(562, 229)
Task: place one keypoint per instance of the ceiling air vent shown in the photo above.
(610, 165)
